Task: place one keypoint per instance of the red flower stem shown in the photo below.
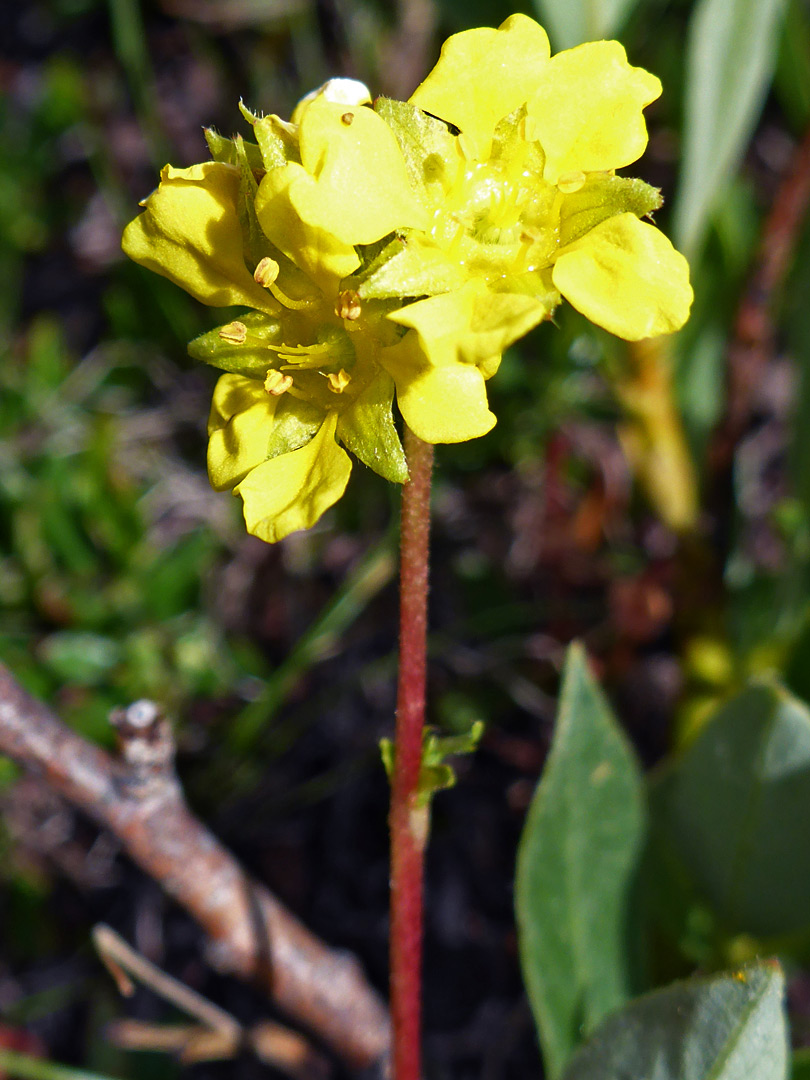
(408, 821)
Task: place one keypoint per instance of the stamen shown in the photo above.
(234, 332)
(348, 305)
(288, 302)
(338, 381)
(266, 272)
(277, 384)
(301, 356)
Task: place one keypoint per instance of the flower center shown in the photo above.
(498, 219)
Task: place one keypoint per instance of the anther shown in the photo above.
(277, 384)
(234, 332)
(347, 118)
(266, 272)
(570, 182)
(348, 305)
(338, 381)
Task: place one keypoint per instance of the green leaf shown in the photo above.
(570, 22)
(367, 429)
(576, 868)
(801, 1065)
(729, 1027)
(27, 1067)
(731, 57)
(792, 82)
(734, 810)
(434, 773)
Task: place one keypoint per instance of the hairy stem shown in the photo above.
(408, 822)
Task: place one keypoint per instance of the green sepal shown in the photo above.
(601, 198)
(409, 267)
(367, 429)
(509, 142)
(275, 137)
(223, 149)
(435, 774)
(426, 143)
(252, 358)
(256, 244)
(295, 423)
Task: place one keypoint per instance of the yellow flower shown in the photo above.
(533, 173)
(396, 249)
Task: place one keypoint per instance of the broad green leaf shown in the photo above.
(801, 1065)
(728, 1027)
(576, 868)
(792, 82)
(733, 810)
(570, 22)
(731, 57)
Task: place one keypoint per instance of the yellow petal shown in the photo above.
(483, 75)
(361, 190)
(352, 185)
(500, 318)
(190, 233)
(441, 394)
(292, 491)
(625, 275)
(239, 429)
(587, 108)
(445, 404)
(312, 248)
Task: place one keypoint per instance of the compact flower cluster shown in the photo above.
(395, 248)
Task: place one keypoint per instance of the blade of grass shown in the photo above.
(371, 575)
(129, 41)
(13, 1063)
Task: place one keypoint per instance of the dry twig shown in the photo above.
(137, 797)
(217, 1035)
